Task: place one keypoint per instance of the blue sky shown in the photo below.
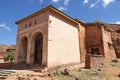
(107, 11)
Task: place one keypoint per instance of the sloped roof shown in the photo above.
(44, 10)
(11, 47)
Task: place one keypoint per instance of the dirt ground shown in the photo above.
(110, 71)
(31, 75)
(1, 61)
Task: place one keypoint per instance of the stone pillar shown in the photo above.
(16, 54)
(32, 49)
(18, 42)
(29, 51)
(20, 53)
(44, 53)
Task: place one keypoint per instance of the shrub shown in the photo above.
(9, 57)
(6, 58)
(98, 22)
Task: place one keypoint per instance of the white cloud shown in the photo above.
(66, 2)
(104, 3)
(55, 1)
(85, 1)
(5, 26)
(107, 2)
(62, 8)
(118, 22)
(94, 4)
(41, 1)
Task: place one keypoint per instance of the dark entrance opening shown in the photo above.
(95, 51)
(38, 49)
(24, 49)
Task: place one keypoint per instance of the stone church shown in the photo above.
(51, 38)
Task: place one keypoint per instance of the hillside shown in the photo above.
(3, 48)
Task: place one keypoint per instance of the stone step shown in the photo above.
(3, 78)
(7, 72)
(40, 69)
(3, 75)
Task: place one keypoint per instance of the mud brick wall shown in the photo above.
(94, 39)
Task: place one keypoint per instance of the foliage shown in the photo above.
(9, 57)
(100, 23)
(5, 58)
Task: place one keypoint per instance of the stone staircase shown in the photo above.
(5, 73)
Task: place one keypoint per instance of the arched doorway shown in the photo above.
(38, 49)
(24, 49)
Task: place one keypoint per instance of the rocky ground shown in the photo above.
(109, 71)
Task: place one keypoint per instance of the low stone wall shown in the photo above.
(6, 65)
(93, 61)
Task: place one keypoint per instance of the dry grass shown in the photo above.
(112, 71)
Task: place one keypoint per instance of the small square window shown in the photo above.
(30, 24)
(35, 21)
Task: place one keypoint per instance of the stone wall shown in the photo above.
(94, 46)
(93, 61)
(98, 43)
(116, 38)
(109, 51)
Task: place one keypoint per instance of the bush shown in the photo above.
(9, 57)
(5, 58)
(98, 22)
